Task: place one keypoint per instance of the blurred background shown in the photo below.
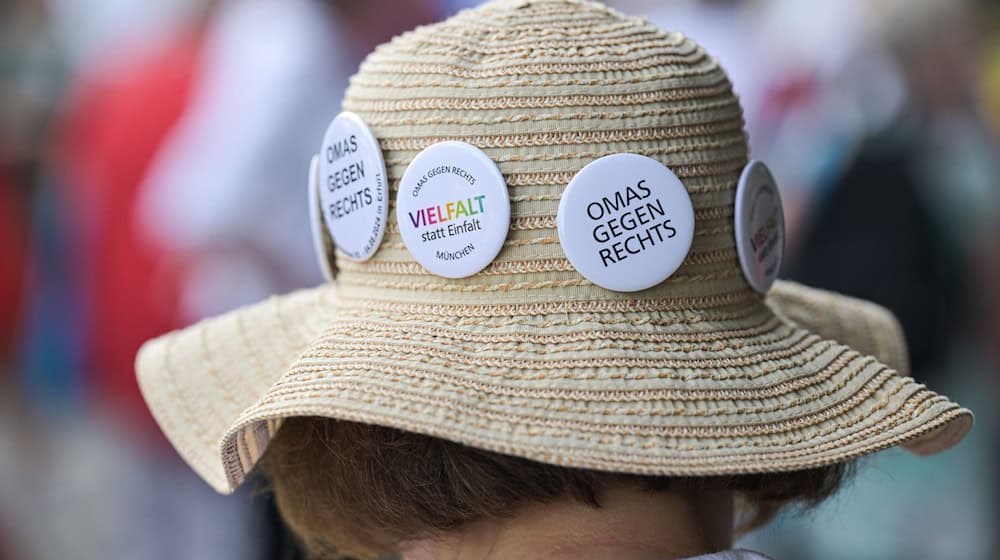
(146, 149)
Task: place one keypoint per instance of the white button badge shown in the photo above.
(321, 244)
(626, 222)
(760, 226)
(353, 189)
(453, 209)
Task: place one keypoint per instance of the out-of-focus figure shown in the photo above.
(176, 114)
(214, 192)
(935, 164)
(32, 74)
(13, 234)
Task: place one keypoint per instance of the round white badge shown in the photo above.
(626, 222)
(353, 187)
(453, 209)
(321, 243)
(760, 226)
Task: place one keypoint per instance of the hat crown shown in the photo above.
(545, 87)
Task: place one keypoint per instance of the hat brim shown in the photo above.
(797, 380)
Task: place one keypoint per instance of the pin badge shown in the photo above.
(626, 222)
(354, 191)
(759, 226)
(453, 209)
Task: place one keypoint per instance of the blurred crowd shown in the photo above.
(147, 151)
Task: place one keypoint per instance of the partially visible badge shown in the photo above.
(354, 191)
(322, 244)
(759, 226)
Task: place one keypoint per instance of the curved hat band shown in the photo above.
(697, 375)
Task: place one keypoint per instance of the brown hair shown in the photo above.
(359, 490)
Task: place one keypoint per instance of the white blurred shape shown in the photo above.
(91, 31)
(230, 176)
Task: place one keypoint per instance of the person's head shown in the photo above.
(368, 491)
(553, 308)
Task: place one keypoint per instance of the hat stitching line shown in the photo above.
(736, 143)
(496, 268)
(329, 349)
(476, 31)
(514, 37)
(500, 408)
(181, 396)
(743, 309)
(548, 240)
(572, 119)
(636, 431)
(472, 24)
(214, 378)
(558, 178)
(903, 412)
(463, 414)
(695, 110)
(678, 371)
(712, 71)
(762, 323)
(510, 310)
(509, 12)
(162, 413)
(681, 65)
(465, 26)
(505, 286)
(304, 375)
(591, 340)
(375, 104)
(279, 313)
(536, 41)
(522, 266)
(722, 322)
(566, 52)
(621, 374)
(570, 138)
(721, 170)
(356, 279)
(253, 350)
(614, 372)
(635, 55)
(331, 338)
(548, 28)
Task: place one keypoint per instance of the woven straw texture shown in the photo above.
(696, 376)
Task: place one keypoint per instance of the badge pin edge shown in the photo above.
(747, 184)
(317, 223)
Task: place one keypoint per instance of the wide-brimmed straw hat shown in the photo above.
(700, 374)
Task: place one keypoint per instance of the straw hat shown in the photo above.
(698, 375)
